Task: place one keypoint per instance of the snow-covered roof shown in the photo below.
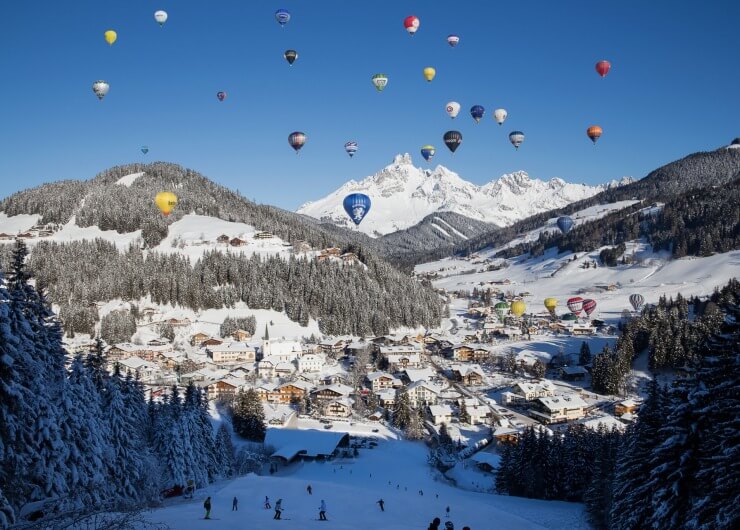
(136, 363)
(440, 410)
(608, 421)
(397, 358)
(569, 401)
(372, 376)
(402, 349)
(232, 346)
(628, 403)
(484, 457)
(573, 370)
(291, 442)
(423, 383)
(338, 388)
(419, 374)
(465, 369)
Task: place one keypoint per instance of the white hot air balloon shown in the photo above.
(100, 88)
(161, 17)
(452, 108)
(500, 116)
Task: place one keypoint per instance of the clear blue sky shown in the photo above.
(673, 89)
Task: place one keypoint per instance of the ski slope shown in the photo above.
(127, 180)
(394, 471)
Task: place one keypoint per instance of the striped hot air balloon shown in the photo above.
(297, 140)
(589, 306)
(637, 300)
(575, 305)
(351, 148)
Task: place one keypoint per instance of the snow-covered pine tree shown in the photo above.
(248, 416)
(415, 428)
(170, 442)
(7, 514)
(584, 357)
(464, 415)
(224, 449)
(402, 409)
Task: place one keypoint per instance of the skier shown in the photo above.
(449, 525)
(267, 503)
(235, 505)
(466, 528)
(322, 511)
(278, 508)
(434, 525)
(382, 505)
(447, 511)
(207, 506)
(309, 490)
(421, 492)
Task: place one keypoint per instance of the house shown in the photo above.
(478, 413)
(582, 329)
(334, 379)
(268, 393)
(400, 362)
(349, 257)
(263, 235)
(332, 346)
(169, 360)
(462, 352)
(290, 444)
(6, 237)
(291, 392)
(339, 408)
(628, 406)
(510, 398)
(224, 389)
(558, 409)
(135, 365)
(223, 239)
(179, 322)
(468, 374)
(485, 461)
(505, 434)
(573, 373)
(158, 342)
(440, 414)
(417, 374)
(387, 398)
(231, 353)
(480, 354)
(327, 393)
(378, 381)
(421, 393)
(241, 335)
(399, 349)
(237, 242)
(282, 350)
(311, 362)
(531, 391)
(284, 369)
(509, 332)
(266, 367)
(125, 350)
(332, 251)
(211, 342)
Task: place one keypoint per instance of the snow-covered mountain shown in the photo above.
(403, 194)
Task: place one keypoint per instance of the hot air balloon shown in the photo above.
(110, 36)
(594, 132)
(518, 307)
(161, 17)
(565, 224)
(453, 40)
(637, 300)
(356, 205)
(282, 16)
(100, 88)
(144, 149)
(501, 309)
(500, 116)
(380, 81)
(221, 96)
(290, 56)
(603, 67)
(477, 112)
(589, 306)
(351, 148)
(296, 140)
(452, 108)
(453, 139)
(166, 201)
(411, 23)
(516, 138)
(551, 304)
(427, 151)
(575, 305)
(429, 73)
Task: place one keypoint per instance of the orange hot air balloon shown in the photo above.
(603, 67)
(594, 132)
(166, 201)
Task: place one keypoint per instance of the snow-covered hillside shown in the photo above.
(402, 195)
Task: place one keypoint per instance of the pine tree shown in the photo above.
(415, 428)
(7, 515)
(402, 409)
(224, 449)
(464, 416)
(538, 369)
(248, 416)
(585, 354)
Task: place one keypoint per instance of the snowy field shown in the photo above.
(394, 471)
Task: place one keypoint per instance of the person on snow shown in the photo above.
(309, 489)
(207, 506)
(235, 505)
(447, 511)
(322, 511)
(278, 508)
(466, 528)
(267, 503)
(434, 525)
(449, 525)
(381, 502)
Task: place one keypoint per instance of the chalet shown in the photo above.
(421, 393)
(510, 398)
(334, 379)
(326, 393)
(440, 414)
(241, 335)
(628, 406)
(126, 350)
(485, 461)
(378, 381)
(462, 352)
(179, 322)
(387, 398)
(169, 360)
(332, 346)
(339, 408)
(481, 354)
(311, 362)
(223, 239)
(291, 392)
(284, 369)
(231, 353)
(6, 237)
(266, 367)
(558, 409)
(268, 393)
(158, 342)
(211, 342)
(237, 242)
(400, 362)
(573, 373)
(504, 434)
(467, 374)
(263, 235)
(579, 329)
(479, 414)
(224, 389)
(25, 235)
(135, 365)
(332, 251)
(531, 391)
(417, 374)
(196, 339)
(149, 312)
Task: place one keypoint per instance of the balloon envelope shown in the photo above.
(161, 17)
(453, 109)
(282, 16)
(290, 56)
(575, 305)
(518, 308)
(501, 308)
(351, 148)
(551, 303)
(477, 111)
(166, 201)
(589, 306)
(453, 139)
(100, 88)
(221, 96)
(603, 67)
(380, 81)
(637, 300)
(565, 224)
(427, 151)
(453, 40)
(516, 138)
(594, 132)
(411, 23)
(144, 149)
(429, 73)
(500, 115)
(110, 36)
(297, 140)
(356, 205)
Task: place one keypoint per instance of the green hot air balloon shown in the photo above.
(380, 81)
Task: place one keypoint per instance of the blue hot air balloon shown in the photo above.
(144, 149)
(357, 205)
(565, 224)
(282, 16)
(477, 112)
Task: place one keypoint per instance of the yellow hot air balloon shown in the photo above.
(429, 73)
(518, 308)
(551, 304)
(110, 36)
(166, 201)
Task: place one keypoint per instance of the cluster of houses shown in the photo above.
(39, 230)
(335, 253)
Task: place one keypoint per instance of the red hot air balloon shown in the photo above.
(411, 23)
(221, 96)
(603, 67)
(575, 305)
(589, 306)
